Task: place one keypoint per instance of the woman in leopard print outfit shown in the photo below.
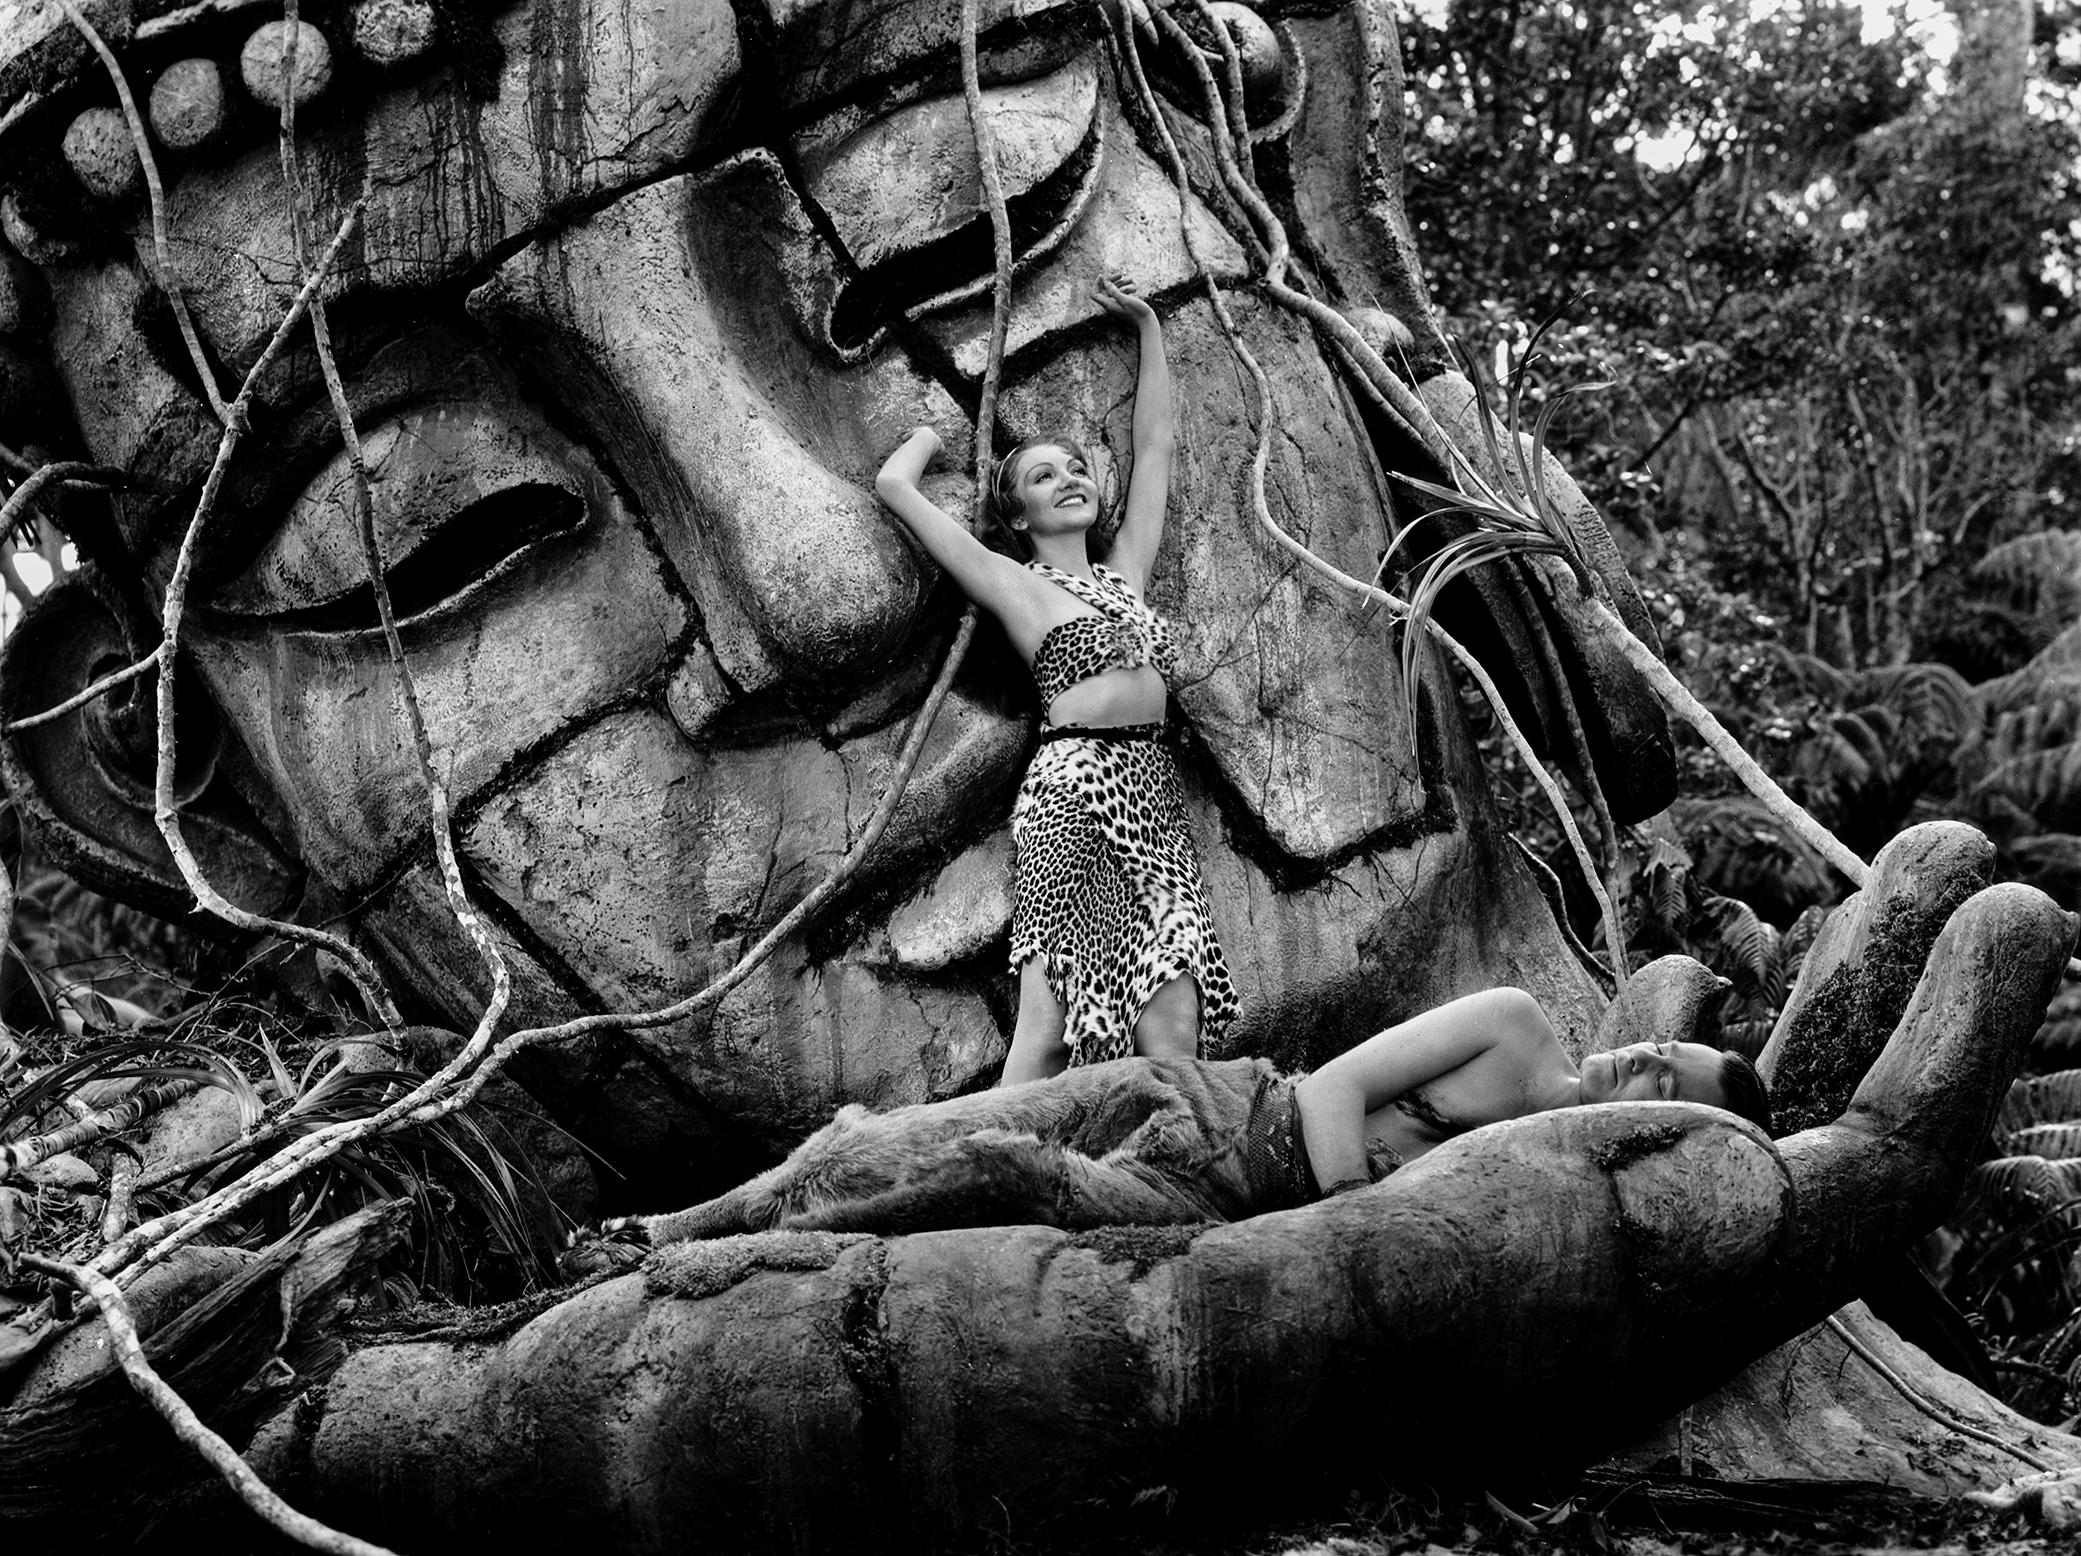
(1112, 941)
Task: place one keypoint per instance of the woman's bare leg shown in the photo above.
(1169, 1024)
(1037, 1047)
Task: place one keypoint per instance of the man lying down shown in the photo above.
(1152, 1141)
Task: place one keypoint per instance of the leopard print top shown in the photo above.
(1122, 634)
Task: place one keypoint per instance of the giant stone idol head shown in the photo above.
(641, 297)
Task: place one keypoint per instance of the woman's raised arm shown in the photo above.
(1155, 435)
(996, 583)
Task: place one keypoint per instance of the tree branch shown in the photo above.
(187, 1425)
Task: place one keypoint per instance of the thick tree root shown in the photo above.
(81, 1459)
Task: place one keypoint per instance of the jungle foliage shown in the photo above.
(1829, 270)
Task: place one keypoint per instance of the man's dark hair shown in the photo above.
(1744, 1090)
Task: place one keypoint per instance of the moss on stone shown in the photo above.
(1636, 1145)
(1842, 1029)
(1142, 1248)
(704, 1269)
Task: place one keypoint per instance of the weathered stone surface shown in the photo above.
(621, 302)
(979, 1340)
(1817, 1412)
(637, 307)
(1623, 722)
(1673, 998)
(191, 1129)
(1864, 965)
(25, 304)
(967, 907)
(64, 1171)
(583, 107)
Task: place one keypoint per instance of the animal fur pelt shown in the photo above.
(1136, 1141)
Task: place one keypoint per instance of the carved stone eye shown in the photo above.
(122, 730)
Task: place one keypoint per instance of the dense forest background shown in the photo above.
(1823, 259)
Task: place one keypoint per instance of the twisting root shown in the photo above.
(373, 562)
(24, 1154)
(187, 1425)
(1417, 420)
(100, 688)
(1922, 1402)
(1261, 508)
(156, 192)
(164, 810)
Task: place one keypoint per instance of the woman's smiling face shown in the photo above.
(1056, 489)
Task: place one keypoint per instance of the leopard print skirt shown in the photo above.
(1108, 893)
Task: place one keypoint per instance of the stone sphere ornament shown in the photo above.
(1257, 47)
(102, 155)
(260, 63)
(392, 32)
(187, 107)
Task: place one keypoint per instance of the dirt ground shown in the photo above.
(1594, 1522)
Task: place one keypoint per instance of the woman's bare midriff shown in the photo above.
(1117, 697)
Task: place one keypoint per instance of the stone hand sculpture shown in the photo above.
(1527, 1296)
(640, 299)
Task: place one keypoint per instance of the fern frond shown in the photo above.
(2047, 783)
(1742, 947)
(2043, 721)
(1797, 940)
(2059, 660)
(2057, 1041)
(1868, 732)
(1811, 673)
(1743, 851)
(1933, 699)
(2032, 566)
(2042, 1099)
(2024, 1185)
(2049, 856)
(2054, 1142)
